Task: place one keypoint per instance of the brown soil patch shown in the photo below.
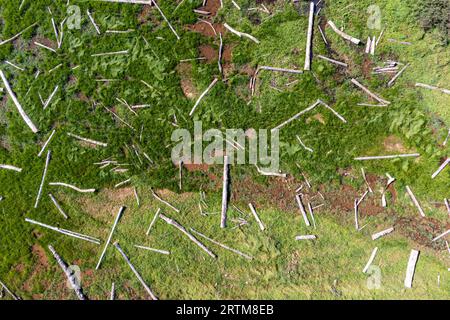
(145, 14)
(184, 71)
(206, 30)
(212, 6)
(39, 252)
(39, 266)
(422, 231)
(367, 68)
(208, 52)
(394, 144)
(44, 41)
(318, 117)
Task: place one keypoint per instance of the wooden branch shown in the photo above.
(308, 50)
(163, 201)
(65, 232)
(136, 196)
(332, 61)
(410, 269)
(380, 234)
(306, 237)
(62, 184)
(202, 95)
(12, 294)
(246, 256)
(122, 183)
(311, 213)
(153, 249)
(447, 205)
(391, 83)
(302, 209)
(427, 86)
(270, 174)
(296, 116)
(10, 167)
(255, 214)
(447, 138)
(372, 257)
(368, 45)
(119, 214)
(93, 21)
(44, 46)
(441, 235)
(41, 186)
(394, 156)
(46, 143)
(414, 200)
(374, 96)
(17, 35)
(17, 104)
(164, 17)
(240, 34)
(190, 236)
(47, 102)
(373, 46)
(343, 34)
(136, 273)
(153, 221)
(442, 167)
(55, 202)
(225, 187)
(74, 282)
(90, 141)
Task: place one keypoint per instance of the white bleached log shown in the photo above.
(219, 60)
(268, 68)
(394, 156)
(74, 282)
(136, 273)
(122, 183)
(410, 269)
(311, 213)
(136, 196)
(62, 184)
(308, 50)
(343, 34)
(296, 116)
(153, 221)
(441, 235)
(225, 187)
(368, 45)
(373, 46)
(323, 35)
(112, 295)
(240, 34)
(112, 53)
(246, 256)
(46, 143)
(44, 175)
(190, 236)
(365, 180)
(391, 83)
(119, 214)
(427, 86)
(414, 200)
(333, 111)
(17, 104)
(332, 61)
(441, 167)
(44, 46)
(255, 215)
(202, 95)
(447, 205)
(270, 174)
(17, 35)
(303, 145)
(372, 257)
(55, 202)
(50, 98)
(446, 138)
(374, 96)
(10, 167)
(90, 141)
(355, 208)
(380, 234)
(164, 201)
(65, 232)
(12, 294)
(302, 209)
(360, 200)
(164, 17)
(91, 18)
(14, 65)
(306, 237)
(152, 249)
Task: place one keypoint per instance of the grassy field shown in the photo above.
(151, 73)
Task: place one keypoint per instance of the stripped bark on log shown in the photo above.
(368, 45)
(163, 201)
(112, 295)
(297, 116)
(255, 215)
(447, 205)
(373, 46)
(446, 139)
(190, 236)
(270, 174)
(112, 53)
(333, 111)
(343, 34)
(311, 213)
(136, 273)
(44, 175)
(119, 214)
(268, 68)
(97, 29)
(225, 188)
(55, 202)
(380, 234)
(302, 209)
(414, 200)
(303, 145)
(153, 249)
(164, 17)
(372, 257)
(62, 184)
(323, 35)
(365, 180)
(122, 183)
(355, 207)
(219, 61)
(442, 167)
(410, 269)
(202, 95)
(10, 167)
(153, 221)
(308, 50)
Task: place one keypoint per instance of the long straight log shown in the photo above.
(153, 249)
(374, 96)
(10, 167)
(332, 61)
(240, 34)
(17, 35)
(202, 95)
(343, 34)
(119, 214)
(296, 116)
(12, 294)
(136, 273)
(225, 187)
(46, 143)
(380, 234)
(57, 205)
(153, 221)
(309, 37)
(255, 214)
(190, 236)
(415, 201)
(164, 201)
(410, 269)
(17, 104)
(74, 282)
(302, 209)
(372, 257)
(268, 68)
(94, 142)
(391, 83)
(441, 235)
(442, 167)
(44, 175)
(427, 86)
(62, 184)
(394, 156)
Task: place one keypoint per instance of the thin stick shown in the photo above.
(280, 69)
(309, 37)
(355, 206)
(410, 269)
(202, 95)
(271, 174)
(414, 200)
(153, 221)
(380, 234)
(323, 35)
(180, 174)
(332, 61)
(343, 34)
(46, 143)
(225, 186)
(391, 83)
(17, 35)
(93, 21)
(97, 143)
(109, 53)
(255, 214)
(246, 256)
(44, 46)
(219, 62)
(372, 257)
(442, 167)
(303, 145)
(17, 104)
(447, 205)
(113, 292)
(41, 186)
(47, 102)
(122, 183)
(306, 237)
(441, 235)
(138, 202)
(427, 86)
(152, 249)
(163, 201)
(302, 209)
(71, 276)
(164, 17)
(55, 202)
(333, 111)
(10, 167)
(119, 214)
(190, 236)
(365, 180)
(394, 156)
(14, 296)
(311, 213)
(296, 116)
(14, 66)
(136, 273)
(240, 34)
(374, 96)
(62, 184)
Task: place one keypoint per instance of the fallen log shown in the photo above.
(380, 234)
(374, 96)
(240, 34)
(112, 295)
(343, 34)
(332, 61)
(62, 184)
(97, 29)
(414, 200)
(309, 37)
(44, 175)
(17, 35)
(410, 269)
(46, 143)
(73, 280)
(365, 180)
(372, 257)
(119, 214)
(391, 83)
(163, 201)
(10, 167)
(153, 249)
(153, 221)
(12, 294)
(394, 156)
(447, 205)
(136, 273)
(268, 68)
(302, 209)
(202, 95)
(441, 235)
(442, 167)
(306, 237)
(427, 86)
(303, 145)
(50, 98)
(255, 214)
(55, 202)
(297, 115)
(90, 141)
(225, 187)
(355, 206)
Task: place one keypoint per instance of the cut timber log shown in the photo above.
(309, 39)
(152, 249)
(368, 45)
(332, 61)
(91, 18)
(90, 141)
(442, 167)
(296, 116)
(10, 167)
(165, 19)
(112, 295)
(372, 257)
(225, 187)
(391, 83)
(190, 236)
(46, 143)
(255, 214)
(12, 294)
(414, 200)
(73, 280)
(302, 209)
(306, 237)
(17, 104)
(55, 202)
(136, 273)
(119, 214)
(427, 86)
(343, 34)
(374, 96)
(153, 221)
(394, 156)
(355, 207)
(380, 234)
(62, 184)
(17, 35)
(164, 201)
(410, 269)
(268, 68)
(44, 175)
